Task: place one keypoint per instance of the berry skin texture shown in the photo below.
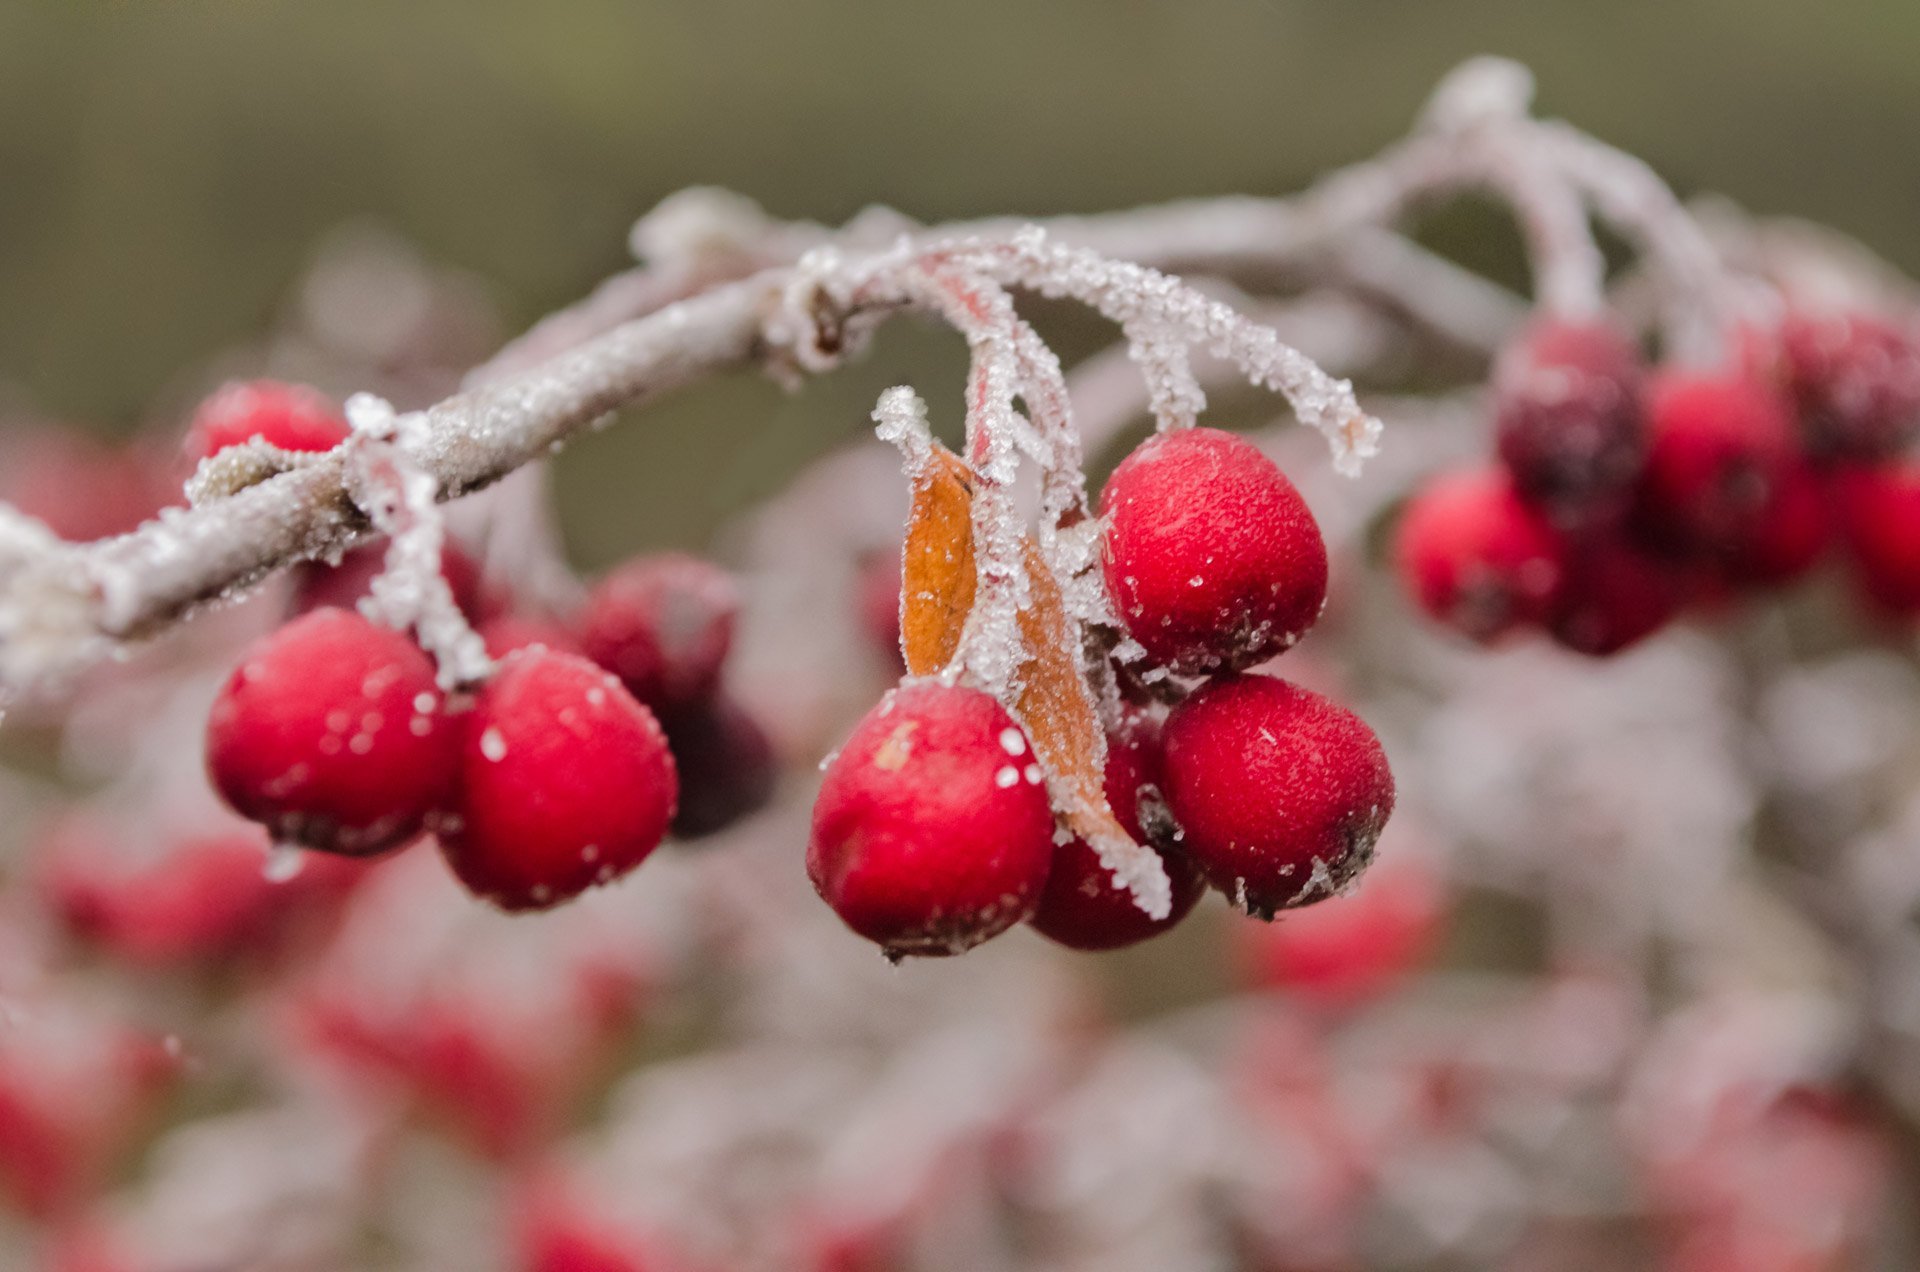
(932, 831)
(1855, 383)
(1568, 420)
(1212, 558)
(331, 734)
(564, 782)
(1879, 514)
(1720, 447)
(663, 624)
(1281, 793)
(292, 417)
(1477, 557)
(1081, 907)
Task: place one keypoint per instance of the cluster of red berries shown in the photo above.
(564, 770)
(934, 829)
(1622, 497)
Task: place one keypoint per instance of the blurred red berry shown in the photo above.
(1568, 420)
(1854, 381)
(1720, 448)
(290, 416)
(663, 624)
(726, 763)
(1350, 949)
(1878, 510)
(1612, 596)
(1477, 557)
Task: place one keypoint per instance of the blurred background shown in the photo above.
(170, 169)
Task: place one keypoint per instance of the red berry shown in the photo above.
(1720, 447)
(1854, 380)
(1347, 950)
(564, 782)
(1212, 558)
(1792, 536)
(290, 416)
(331, 734)
(1081, 907)
(82, 489)
(195, 900)
(1568, 418)
(663, 624)
(1879, 514)
(1611, 596)
(508, 632)
(1476, 556)
(726, 764)
(1280, 792)
(932, 830)
(343, 585)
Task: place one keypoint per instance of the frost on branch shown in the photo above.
(400, 497)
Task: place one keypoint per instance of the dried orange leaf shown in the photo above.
(937, 568)
(1054, 704)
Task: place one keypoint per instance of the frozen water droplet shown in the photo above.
(284, 862)
(1006, 777)
(493, 745)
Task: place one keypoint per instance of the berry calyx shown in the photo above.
(1719, 449)
(292, 417)
(932, 831)
(1476, 556)
(1082, 908)
(1279, 792)
(663, 624)
(331, 733)
(564, 781)
(1878, 510)
(1567, 418)
(1854, 380)
(1212, 557)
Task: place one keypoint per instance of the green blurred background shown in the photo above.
(167, 166)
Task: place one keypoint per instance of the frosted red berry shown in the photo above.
(726, 763)
(290, 416)
(1854, 380)
(331, 733)
(932, 831)
(1212, 557)
(1476, 556)
(564, 782)
(663, 624)
(1568, 419)
(1082, 907)
(1720, 446)
(1878, 510)
(1612, 596)
(1279, 792)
